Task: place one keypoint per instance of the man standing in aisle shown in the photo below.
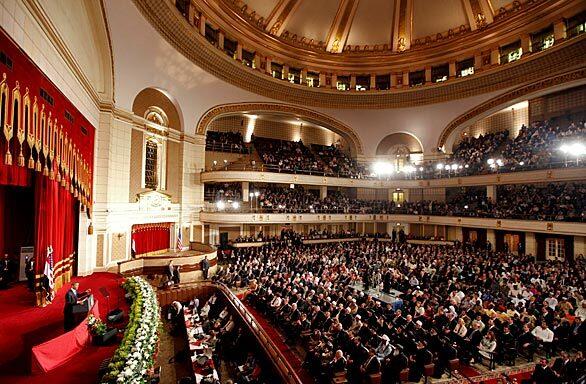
(205, 267)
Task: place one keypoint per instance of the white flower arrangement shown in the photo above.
(134, 356)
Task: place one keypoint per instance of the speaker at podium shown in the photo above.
(81, 310)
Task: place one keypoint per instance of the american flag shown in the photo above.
(179, 240)
(48, 272)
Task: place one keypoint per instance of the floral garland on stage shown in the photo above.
(135, 355)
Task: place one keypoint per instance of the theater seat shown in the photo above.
(453, 365)
(374, 378)
(404, 375)
(428, 371)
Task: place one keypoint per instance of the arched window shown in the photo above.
(151, 162)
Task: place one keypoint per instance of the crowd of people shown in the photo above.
(339, 163)
(287, 156)
(535, 146)
(475, 151)
(225, 142)
(223, 192)
(554, 201)
(454, 302)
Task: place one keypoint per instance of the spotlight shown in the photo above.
(251, 194)
(420, 169)
(447, 167)
(440, 166)
(490, 161)
(292, 186)
(454, 166)
(220, 205)
(466, 166)
(235, 205)
(521, 163)
(256, 193)
(465, 207)
(499, 162)
(409, 169)
(383, 168)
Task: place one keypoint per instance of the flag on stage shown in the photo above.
(48, 272)
(179, 240)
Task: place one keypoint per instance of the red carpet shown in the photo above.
(289, 355)
(22, 326)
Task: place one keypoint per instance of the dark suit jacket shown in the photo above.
(372, 366)
(70, 301)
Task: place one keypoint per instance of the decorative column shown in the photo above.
(269, 63)
(286, 72)
(559, 30)
(372, 81)
(334, 81)
(452, 69)
(303, 79)
(322, 80)
(221, 40)
(352, 82)
(526, 43)
(495, 56)
(406, 78)
(491, 238)
(477, 61)
(393, 80)
(323, 192)
(202, 24)
(427, 74)
(239, 52)
(491, 193)
(530, 244)
(245, 191)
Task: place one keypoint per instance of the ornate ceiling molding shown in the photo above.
(569, 79)
(340, 28)
(180, 34)
(316, 117)
(281, 14)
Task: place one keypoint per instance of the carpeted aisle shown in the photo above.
(22, 326)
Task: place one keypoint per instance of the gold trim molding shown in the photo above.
(183, 36)
(335, 125)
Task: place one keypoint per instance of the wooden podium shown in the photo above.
(81, 310)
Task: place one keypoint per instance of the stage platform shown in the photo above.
(388, 298)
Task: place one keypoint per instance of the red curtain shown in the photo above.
(151, 237)
(55, 226)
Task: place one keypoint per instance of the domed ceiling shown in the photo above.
(356, 25)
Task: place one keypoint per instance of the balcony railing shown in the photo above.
(188, 292)
(417, 174)
(252, 207)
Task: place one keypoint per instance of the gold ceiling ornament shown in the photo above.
(336, 45)
(480, 21)
(401, 45)
(194, 46)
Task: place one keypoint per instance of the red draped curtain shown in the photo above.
(151, 238)
(46, 145)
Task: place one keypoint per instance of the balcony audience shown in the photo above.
(552, 202)
(225, 142)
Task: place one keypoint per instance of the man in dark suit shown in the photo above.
(372, 364)
(29, 270)
(71, 299)
(205, 267)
